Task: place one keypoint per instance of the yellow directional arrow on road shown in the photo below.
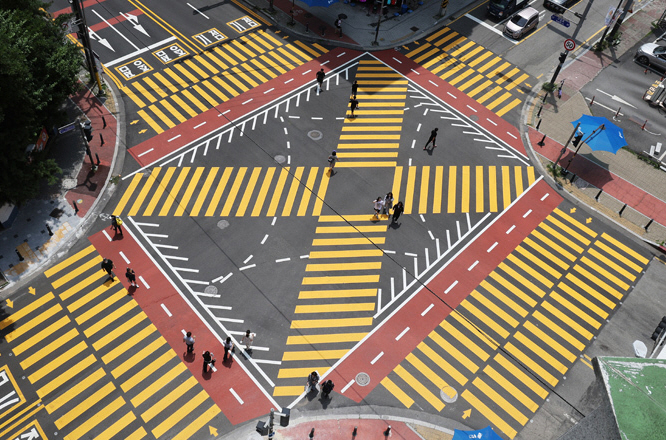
(572, 210)
(588, 220)
(143, 131)
(212, 431)
(136, 121)
(467, 413)
(31, 290)
(10, 303)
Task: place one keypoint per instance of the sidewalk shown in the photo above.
(44, 226)
(359, 28)
(620, 186)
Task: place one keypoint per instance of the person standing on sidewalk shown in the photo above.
(320, 80)
(108, 266)
(247, 340)
(131, 277)
(354, 89)
(326, 388)
(313, 380)
(397, 211)
(188, 339)
(432, 138)
(331, 162)
(116, 224)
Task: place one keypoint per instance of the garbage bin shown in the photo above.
(284, 417)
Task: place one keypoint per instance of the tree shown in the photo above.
(38, 70)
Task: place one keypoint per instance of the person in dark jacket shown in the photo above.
(397, 211)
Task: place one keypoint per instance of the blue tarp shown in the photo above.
(482, 434)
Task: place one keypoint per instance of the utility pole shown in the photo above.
(85, 41)
(603, 37)
(622, 17)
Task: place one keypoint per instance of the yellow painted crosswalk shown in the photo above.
(87, 352)
(188, 87)
(471, 68)
(333, 312)
(516, 336)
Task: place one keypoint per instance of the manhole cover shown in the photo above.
(448, 394)
(211, 290)
(581, 184)
(280, 158)
(363, 379)
(474, 118)
(222, 224)
(315, 135)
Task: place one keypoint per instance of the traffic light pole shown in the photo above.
(85, 37)
(580, 144)
(566, 145)
(563, 57)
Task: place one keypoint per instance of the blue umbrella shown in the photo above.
(600, 134)
(486, 433)
(324, 3)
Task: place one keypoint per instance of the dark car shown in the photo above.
(502, 9)
(558, 5)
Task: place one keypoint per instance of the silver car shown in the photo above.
(522, 22)
(651, 54)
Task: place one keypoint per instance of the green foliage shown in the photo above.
(38, 71)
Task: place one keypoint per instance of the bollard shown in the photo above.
(76, 208)
(592, 102)
(643, 127)
(617, 113)
(101, 139)
(354, 432)
(19, 255)
(622, 210)
(98, 161)
(538, 124)
(573, 177)
(307, 28)
(48, 228)
(598, 195)
(648, 225)
(103, 122)
(539, 112)
(388, 431)
(311, 436)
(541, 143)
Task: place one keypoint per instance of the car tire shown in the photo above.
(643, 60)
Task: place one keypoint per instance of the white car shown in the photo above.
(521, 23)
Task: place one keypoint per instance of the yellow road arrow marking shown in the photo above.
(31, 290)
(212, 431)
(143, 131)
(10, 303)
(588, 220)
(136, 121)
(467, 413)
(572, 210)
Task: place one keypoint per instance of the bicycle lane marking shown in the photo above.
(413, 321)
(216, 118)
(233, 389)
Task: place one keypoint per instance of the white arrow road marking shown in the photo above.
(135, 22)
(116, 30)
(103, 41)
(616, 98)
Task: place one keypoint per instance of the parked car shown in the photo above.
(651, 54)
(521, 23)
(558, 5)
(501, 9)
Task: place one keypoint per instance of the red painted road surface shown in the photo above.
(368, 429)
(451, 285)
(201, 125)
(613, 185)
(161, 293)
(454, 97)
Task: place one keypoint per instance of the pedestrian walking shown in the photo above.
(313, 380)
(338, 26)
(331, 162)
(117, 224)
(353, 105)
(247, 340)
(388, 204)
(432, 138)
(378, 205)
(208, 359)
(326, 388)
(397, 211)
(228, 347)
(354, 89)
(108, 266)
(320, 80)
(188, 339)
(131, 277)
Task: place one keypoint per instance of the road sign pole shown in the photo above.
(563, 57)
(603, 37)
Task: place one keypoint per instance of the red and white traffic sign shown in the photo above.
(569, 44)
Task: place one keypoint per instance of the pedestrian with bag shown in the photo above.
(117, 225)
(331, 162)
(228, 348)
(313, 380)
(208, 359)
(388, 204)
(247, 340)
(397, 211)
(131, 277)
(188, 339)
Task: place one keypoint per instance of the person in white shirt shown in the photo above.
(378, 205)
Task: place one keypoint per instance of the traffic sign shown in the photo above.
(561, 20)
(569, 44)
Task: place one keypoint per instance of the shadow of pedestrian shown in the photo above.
(228, 362)
(394, 225)
(131, 290)
(325, 401)
(189, 357)
(312, 395)
(117, 236)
